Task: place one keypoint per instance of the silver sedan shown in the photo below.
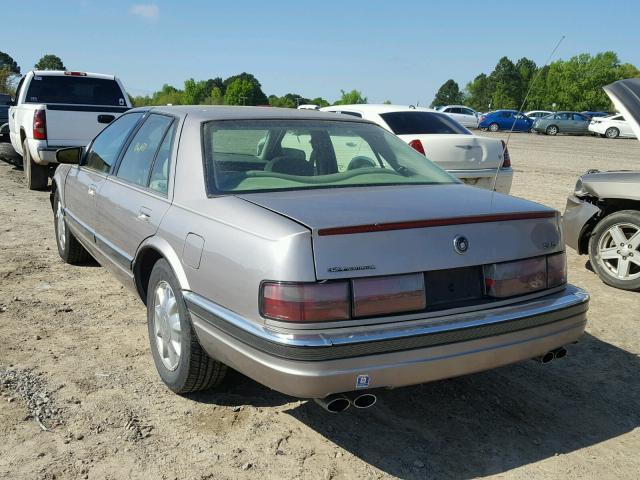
(317, 254)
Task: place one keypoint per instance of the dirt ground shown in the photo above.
(74, 360)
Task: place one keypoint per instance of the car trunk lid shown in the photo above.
(359, 232)
(460, 152)
(625, 95)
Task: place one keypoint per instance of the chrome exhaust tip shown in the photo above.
(545, 358)
(334, 403)
(365, 400)
(560, 352)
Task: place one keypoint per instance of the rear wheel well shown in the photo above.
(143, 266)
(608, 206)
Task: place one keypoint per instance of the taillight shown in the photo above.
(556, 269)
(482, 119)
(306, 302)
(384, 295)
(509, 279)
(417, 146)
(506, 162)
(39, 125)
(515, 278)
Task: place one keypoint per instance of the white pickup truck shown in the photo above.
(56, 109)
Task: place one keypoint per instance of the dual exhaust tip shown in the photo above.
(552, 355)
(340, 402)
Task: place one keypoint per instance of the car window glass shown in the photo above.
(466, 111)
(353, 114)
(105, 148)
(240, 142)
(506, 114)
(159, 179)
(577, 116)
(421, 123)
(341, 154)
(455, 110)
(621, 118)
(136, 163)
(75, 90)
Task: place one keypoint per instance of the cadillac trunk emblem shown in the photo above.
(460, 244)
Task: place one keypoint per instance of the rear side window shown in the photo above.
(138, 159)
(75, 91)
(105, 148)
(420, 123)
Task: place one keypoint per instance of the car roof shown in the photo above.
(61, 73)
(380, 108)
(210, 112)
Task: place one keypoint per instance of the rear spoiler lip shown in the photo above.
(437, 222)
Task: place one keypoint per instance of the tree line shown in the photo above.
(574, 84)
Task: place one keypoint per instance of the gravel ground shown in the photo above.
(73, 336)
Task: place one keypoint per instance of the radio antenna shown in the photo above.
(524, 102)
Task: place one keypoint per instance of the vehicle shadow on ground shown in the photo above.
(492, 422)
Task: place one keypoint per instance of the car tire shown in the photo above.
(552, 130)
(607, 249)
(69, 248)
(36, 176)
(494, 127)
(181, 362)
(612, 132)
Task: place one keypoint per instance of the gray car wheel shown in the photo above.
(614, 250)
(69, 248)
(181, 362)
(36, 176)
(612, 132)
(494, 127)
(552, 130)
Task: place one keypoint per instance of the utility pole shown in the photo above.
(244, 99)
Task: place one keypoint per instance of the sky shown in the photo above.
(389, 50)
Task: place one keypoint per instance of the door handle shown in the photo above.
(92, 190)
(144, 214)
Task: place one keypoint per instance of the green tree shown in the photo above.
(50, 62)
(254, 97)
(195, 93)
(387, 102)
(239, 92)
(507, 85)
(9, 72)
(480, 92)
(527, 71)
(448, 94)
(216, 97)
(351, 98)
(321, 102)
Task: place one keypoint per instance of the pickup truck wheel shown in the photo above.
(37, 176)
(69, 247)
(180, 360)
(614, 249)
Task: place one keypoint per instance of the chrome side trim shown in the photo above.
(571, 302)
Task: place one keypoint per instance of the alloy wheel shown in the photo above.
(619, 251)
(166, 321)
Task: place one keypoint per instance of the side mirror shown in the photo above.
(70, 156)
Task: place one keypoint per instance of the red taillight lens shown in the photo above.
(482, 118)
(516, 278)
(384, 295)
(417, 146)
(506, 163)
(76, 74)
(306, 302)
(40, 125)
(556, 269)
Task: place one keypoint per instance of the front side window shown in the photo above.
(137, 160)
(422, 123)
(308, 154)
(105, 148)
(506, 114)
(580, 118)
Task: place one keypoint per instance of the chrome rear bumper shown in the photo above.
(316, 364)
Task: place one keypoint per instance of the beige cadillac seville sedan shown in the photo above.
(317, 254)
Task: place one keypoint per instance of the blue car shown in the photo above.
(505, 120)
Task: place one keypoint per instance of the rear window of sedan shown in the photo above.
(421, 123)
(264, 155)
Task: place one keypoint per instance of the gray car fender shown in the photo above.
(575, 221)
(166, 250)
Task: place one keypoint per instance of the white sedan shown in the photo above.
(472, 158)
(533, 114)
(611, 127)
(463, 115)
